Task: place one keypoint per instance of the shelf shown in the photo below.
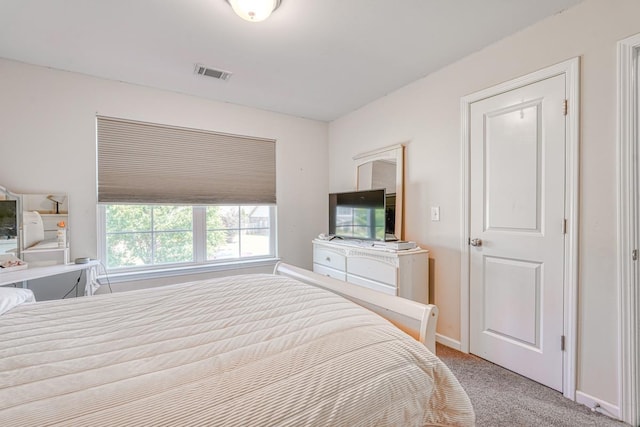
(46, 256)
(38, 250)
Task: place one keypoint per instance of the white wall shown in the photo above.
(48, 144)
(426, 116)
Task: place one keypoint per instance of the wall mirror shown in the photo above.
(35, 227)
(384, 168)
(45, 228)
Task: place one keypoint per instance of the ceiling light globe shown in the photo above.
(254, 10)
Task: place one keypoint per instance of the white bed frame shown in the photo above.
(419, 320)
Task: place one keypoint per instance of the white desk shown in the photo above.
(23, 276)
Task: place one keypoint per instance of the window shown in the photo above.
(146, 236)
(171, 196)
(238, 232)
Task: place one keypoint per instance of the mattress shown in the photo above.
(248, 350)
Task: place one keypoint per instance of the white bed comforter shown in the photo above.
(251, 350)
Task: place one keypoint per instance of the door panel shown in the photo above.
(512, 291)
(512, 169)
(517, 161)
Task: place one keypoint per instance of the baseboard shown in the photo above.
(598, 405)
(449, 342)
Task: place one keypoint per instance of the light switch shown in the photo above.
(435, 213)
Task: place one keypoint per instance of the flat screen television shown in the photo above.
(8, 225)
(366, 215)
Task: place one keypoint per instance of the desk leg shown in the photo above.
(91, 274)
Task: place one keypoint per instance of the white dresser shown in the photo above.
(402, 273)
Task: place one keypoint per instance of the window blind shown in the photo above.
(152, 163)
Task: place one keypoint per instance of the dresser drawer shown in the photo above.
(376, 286)
(329, 258)
(373, 269)
(402, 273)
(327, 271)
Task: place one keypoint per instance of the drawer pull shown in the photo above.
(328, 259)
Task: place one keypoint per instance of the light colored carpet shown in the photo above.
(503, 398)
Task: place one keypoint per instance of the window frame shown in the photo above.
(200, 262)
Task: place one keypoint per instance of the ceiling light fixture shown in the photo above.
(254, 10)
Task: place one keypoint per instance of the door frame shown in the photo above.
(628, 229)
(571, 70)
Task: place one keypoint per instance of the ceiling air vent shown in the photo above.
(212, 72)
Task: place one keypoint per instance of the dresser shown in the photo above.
(402, 273)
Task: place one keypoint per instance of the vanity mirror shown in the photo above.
(45, 228)
(34, 227)
(384, 168)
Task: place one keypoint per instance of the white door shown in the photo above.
(517, 172)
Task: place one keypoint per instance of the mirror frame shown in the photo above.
(9, 195)
(394, 152)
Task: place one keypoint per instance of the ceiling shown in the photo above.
(317, 59)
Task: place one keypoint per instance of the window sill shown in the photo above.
(130, 276)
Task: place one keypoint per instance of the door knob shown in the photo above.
(475, 242)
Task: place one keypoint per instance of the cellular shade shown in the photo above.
(152, 163)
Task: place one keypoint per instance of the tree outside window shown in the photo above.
(149, 235)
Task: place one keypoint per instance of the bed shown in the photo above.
(251, 350)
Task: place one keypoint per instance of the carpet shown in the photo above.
(503, 398)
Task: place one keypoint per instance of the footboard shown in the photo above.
(418, 320)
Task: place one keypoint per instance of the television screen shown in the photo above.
(358, 215)
(8, 225)
(390, 216)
